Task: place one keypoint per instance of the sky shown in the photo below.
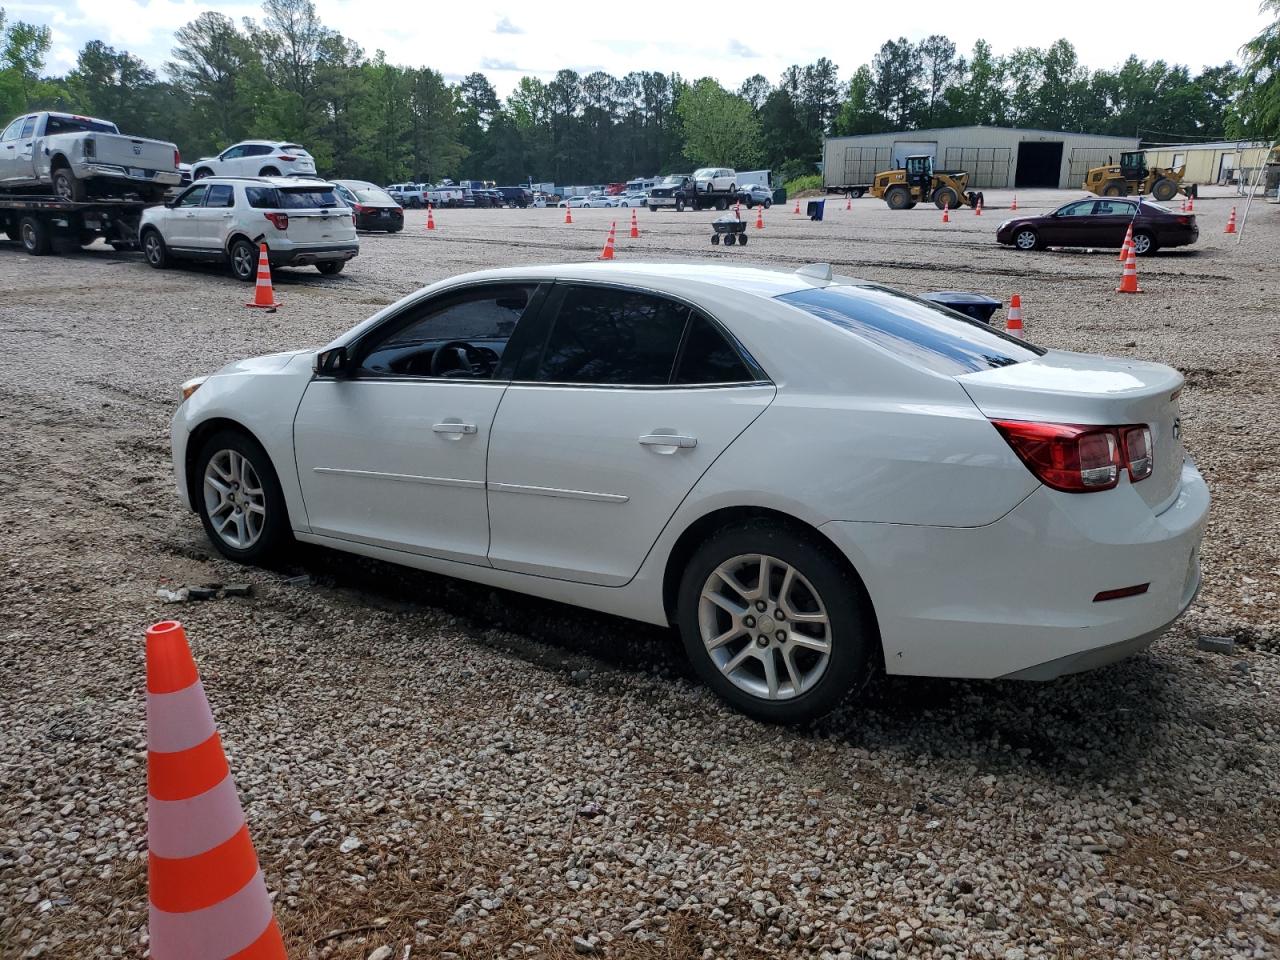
(741, 38)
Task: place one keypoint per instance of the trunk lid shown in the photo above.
(1081, 388)
(316, 215)
(136, 152)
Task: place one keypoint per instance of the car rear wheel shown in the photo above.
(1026, 239)
(774, 623)
(330, 267)
(1143, 243)
(67, 187)
(722, 203)
(154, 249)
(244, 260)
(239, 499)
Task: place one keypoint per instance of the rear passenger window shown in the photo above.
(220, 195)
(261, 198)
(707, 357)
(617, 337)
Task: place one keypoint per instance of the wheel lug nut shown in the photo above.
(779, 615)
(781, 635)
(761, 605)
(748, 621)
(762, 640)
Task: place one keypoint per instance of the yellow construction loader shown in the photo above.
(903, 188)
(1132, 175)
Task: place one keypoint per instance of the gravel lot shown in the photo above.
(443, 770)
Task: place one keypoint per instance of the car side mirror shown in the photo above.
(332, 363)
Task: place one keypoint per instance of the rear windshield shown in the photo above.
(932, 336)
(372, 195)
(294, 148)
(56, 124)
(291, 198)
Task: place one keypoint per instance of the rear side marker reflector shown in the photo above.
(1121, 593)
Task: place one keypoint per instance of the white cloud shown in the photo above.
(739, 49)
(506, 26)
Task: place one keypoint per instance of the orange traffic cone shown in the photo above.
(1184, 205)
(1014, 324)
(1014, 205)
(635, 226)
(607, 252)
(1128, 242)
(1231, 224)
(848, 203)
(431, 220)
(977, 208)
(797, 209)
(208, 896)
(568, 211)
(1191, 204)
(263, 294)
(946, 211)
(1129, 280)
(760, 217)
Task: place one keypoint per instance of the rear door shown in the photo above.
(1110, 221)
(614, 415)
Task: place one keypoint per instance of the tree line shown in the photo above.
(288, 76)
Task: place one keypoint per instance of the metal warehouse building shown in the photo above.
(993, 156)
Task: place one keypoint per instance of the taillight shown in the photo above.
(1137, 452)
(284, 156)
(1069, 457)
(177, 158)
(358, 208)
(278, 220)
(90, 147)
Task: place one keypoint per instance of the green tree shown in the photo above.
(857, 114)
(218, 70)
(23, 48)
(1257, 111)
(720, 127)
(896, 72)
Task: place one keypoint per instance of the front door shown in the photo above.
(24, 168)
(183, 224)
(610, 423)
(213, 218)
(9, 150)
(393, 453)
(1068, 226)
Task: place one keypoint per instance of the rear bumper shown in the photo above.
(163, 178)
(1014, 598)
(310, 254)
(369, 221)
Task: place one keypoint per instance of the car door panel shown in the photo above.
(398, 463)
(582, 480)
(1109, 222)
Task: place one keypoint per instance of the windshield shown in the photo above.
(931, 336)
(57, 124)
(706, 173)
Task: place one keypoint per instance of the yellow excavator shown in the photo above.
(1132, 175)
(903, 188)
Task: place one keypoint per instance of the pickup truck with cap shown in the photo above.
(82, 158)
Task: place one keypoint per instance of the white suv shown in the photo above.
(302, 222)
(257, 158)
(718, 179)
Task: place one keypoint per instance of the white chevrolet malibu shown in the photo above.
(807, 474)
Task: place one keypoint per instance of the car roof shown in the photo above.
(765, 282)
(269, 181)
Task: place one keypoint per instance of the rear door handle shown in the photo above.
(668, 440)
(454, 430)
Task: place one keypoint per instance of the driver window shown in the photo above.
(11, 132)
(235, 153)
(193, 197)
(455, 335)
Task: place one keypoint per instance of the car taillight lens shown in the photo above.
(177, 158)
(90, 147)
(1137, 452)
(1075, 459)
(285, 156)
(359, 208)
(278, 220)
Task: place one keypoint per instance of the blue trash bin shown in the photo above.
(814, 209)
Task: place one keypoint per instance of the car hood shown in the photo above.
(270, 363)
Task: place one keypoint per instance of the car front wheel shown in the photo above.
(239, 498)
(1026, 239)
(774, 623)
(153, 248)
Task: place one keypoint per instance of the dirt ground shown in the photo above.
(447, 770)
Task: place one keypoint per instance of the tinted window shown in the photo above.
(261, 198)
(257, 150)
(459, 335)
(1081, 209)
(77, 125)
(609, 336)
(193, 197)
(933, 337)
(1113, 208)
(220, 195)
(707, 357)
(235, 153)
(306, 198)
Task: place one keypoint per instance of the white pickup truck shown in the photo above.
(80, 158)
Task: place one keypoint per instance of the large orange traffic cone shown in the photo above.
(208, 897)
(1231, 224)
(635, 226)
(977, 208)
(848, 203)
(946, 211)
(1014, 205)
(263, 294)
(1129, 280)
(1014, 324)
(607, 252)
(431, 220)
(1128, 242)
(568, 211)
(760, 217)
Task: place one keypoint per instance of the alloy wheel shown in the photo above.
(765, 627)
(244, 260)
(1026, 240)
(1141, 243)
(234, 499)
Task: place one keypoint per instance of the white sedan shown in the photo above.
(807, 474)
(632, 200)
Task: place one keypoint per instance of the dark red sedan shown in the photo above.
(1102, 223)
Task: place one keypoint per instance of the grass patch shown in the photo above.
(800, 184)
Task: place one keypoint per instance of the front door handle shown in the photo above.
(668, 440)
(454, 430)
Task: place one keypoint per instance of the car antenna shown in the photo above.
(819, 271)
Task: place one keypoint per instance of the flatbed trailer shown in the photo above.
(42, 224)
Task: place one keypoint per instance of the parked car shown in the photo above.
(573, 202)
(1102, 223)
(257, 158)
(408, 194)
(81, 158)
(818, 512)
(632, 200)
(224, 218)
(371, 207)
(516, 196)
(754, 194)
(714, 180)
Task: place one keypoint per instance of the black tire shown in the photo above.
(653, 209)
(679, 205)
(68, 187)
(1115, 190)
(276, 533)
(742, 239)
(236, 262)
(155, 249)
(1026, 238)
(715, 239)
(852, 633)
(200, 174)
(1164, 189)
(268, 172)
(767, 204)
(722, 203)
(898, 198)
(35, 236)
(945, 197)
(331, 267)
(912, 204)
(1144, 243)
